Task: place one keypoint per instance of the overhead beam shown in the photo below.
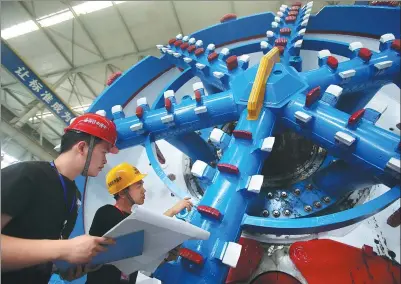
(176, 17)
(92, 65)
(9, 92)
(72, 42)
(125, 27)
(26, 142)
(85, 30)
(83, 79)
(84, 67)
(50, 38)
(46, 32)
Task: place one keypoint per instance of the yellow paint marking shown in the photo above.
(257, 95)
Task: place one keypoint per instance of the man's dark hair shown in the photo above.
(117, 196)
(70, 138)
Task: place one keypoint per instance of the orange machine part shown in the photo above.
(330, 262)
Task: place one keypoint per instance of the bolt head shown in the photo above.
(284, 194)
(287, 212)
(270, 195)
(297, 191)
(326, 199)
(265, 213)
(317, 204)
(309, 186)
(308, 208)
(276, 213)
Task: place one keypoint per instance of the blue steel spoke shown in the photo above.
(180, 119)
(325, 123)
(228, 193)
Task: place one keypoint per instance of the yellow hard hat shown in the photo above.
(121, 177)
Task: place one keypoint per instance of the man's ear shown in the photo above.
(121, 194)
(81, 147)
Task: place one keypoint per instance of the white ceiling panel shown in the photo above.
(150, 22)
(198, 15)
(246, 8)
(44, 8)
(5, 77)
(52, 79)
(109, 35)
(71, 31)
(99, 75)
(38, 52)
(12, 14)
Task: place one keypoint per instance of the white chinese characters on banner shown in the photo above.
(67, 116)
(35, 85)
(22, 73)
(57, 107)
(47, 97)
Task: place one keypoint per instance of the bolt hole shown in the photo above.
(277, 72)
(391, 129)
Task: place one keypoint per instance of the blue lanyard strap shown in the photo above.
(64, 188)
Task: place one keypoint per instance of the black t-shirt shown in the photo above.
(32, 194)
(107, 217)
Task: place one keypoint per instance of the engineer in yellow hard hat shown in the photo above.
(125, 183)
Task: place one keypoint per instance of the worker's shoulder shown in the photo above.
(106, 209)
(28, 168)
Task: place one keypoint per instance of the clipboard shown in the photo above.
(142, 241)
(126, 246)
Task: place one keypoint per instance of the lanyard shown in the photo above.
(64, 189)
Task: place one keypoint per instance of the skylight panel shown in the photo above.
(19, 29)
(91, 6)
(55, 18)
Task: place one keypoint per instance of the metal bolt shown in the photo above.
(317, 204)
(308, 208)
(276, 213)
(287, 212)
(171, 177)
(297, 191)
(309, 186)
(284, 194)
(265, 213)
(270, 195)
(326, 199)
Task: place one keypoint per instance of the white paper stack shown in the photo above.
(162, 234)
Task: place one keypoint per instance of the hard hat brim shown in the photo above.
(140, 177)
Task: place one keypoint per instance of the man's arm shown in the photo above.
(20, 253)
(182, 204)
(17, 253)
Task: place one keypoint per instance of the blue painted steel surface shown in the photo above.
(221, 109)
(357, 19)
(130, 83)
(369, 149)
(23, 73)
(321, 223)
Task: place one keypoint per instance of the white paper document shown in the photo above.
(162, 234)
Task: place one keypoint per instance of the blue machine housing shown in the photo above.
(362, 151)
